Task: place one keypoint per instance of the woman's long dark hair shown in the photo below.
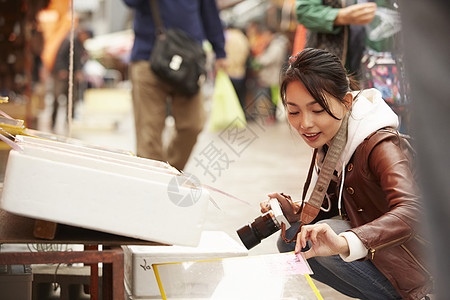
(321, 73)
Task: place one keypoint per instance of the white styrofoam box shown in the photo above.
(139, 275)
(105, 191)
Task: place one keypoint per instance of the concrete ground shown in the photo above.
(249, 163)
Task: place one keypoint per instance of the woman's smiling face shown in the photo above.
(309, 118)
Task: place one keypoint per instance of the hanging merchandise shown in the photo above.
(385, 24)
(226, 110)
(382, 66)
(380, 71)
(385, 72)
(382, 63)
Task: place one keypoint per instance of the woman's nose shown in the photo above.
(305, 121)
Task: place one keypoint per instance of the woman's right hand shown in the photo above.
(288, 207)
(324, 241)
(356, 14)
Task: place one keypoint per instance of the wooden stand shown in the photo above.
(112, 259)
(17, 229)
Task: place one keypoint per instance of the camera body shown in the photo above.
(263, 226)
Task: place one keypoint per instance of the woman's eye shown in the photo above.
(318, 111)
(293, 113)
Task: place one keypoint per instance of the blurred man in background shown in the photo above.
(152, 96)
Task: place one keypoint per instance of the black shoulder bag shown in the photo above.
(177, 58)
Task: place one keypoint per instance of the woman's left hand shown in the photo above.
(324, 241)
(290, 208)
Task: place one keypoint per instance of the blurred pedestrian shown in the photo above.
(237, 48)
(338, 27)
(269, 64)
(152, 97)
(258, 42)
(60, 71)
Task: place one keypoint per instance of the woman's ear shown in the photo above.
(348, 100)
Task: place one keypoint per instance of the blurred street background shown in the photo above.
(264, 157)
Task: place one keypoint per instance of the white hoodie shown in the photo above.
(369, 113)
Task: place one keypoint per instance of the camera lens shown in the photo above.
(262, 227)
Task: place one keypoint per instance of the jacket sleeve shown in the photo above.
(391, 169)
(317, 17)
(213, 27)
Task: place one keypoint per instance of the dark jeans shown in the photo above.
(357, 279)
(241, 91)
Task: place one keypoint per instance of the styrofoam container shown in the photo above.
(105, 191)
(139, 276)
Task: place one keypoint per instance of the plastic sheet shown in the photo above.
(275, 276)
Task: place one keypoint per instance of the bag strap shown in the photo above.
(159, 28)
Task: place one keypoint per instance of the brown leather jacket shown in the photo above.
(380, 199)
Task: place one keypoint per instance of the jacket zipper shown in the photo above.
(421, 240)
(417, 261)
(372, 250)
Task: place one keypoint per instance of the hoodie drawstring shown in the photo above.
(341, 188)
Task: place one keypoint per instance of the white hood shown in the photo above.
(369, 113)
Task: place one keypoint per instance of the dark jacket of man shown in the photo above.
(198, 18)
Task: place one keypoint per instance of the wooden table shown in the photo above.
(17, 229)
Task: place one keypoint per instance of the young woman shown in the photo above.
(373, 250)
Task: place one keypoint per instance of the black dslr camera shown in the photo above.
(263, 226)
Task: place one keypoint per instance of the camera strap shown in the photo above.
(310, 209)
